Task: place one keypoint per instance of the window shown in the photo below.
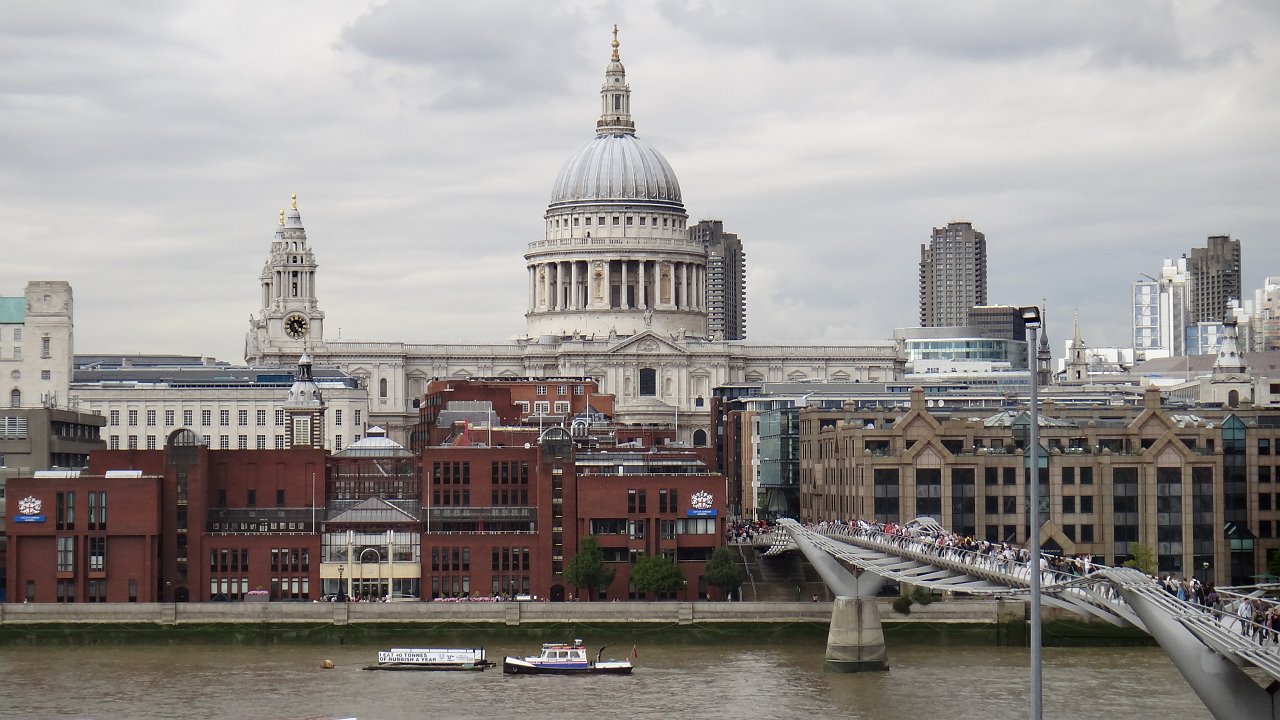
(224, 417)
(356, 416)
(279, 498)
(279, 418)
(1068, 505)
(242, 442)
(206, 417)
(562, 407)
(151, 442)
(524, 406)
(114, 443)
(133, 418)
(242, 418)
(97, 554)
(337, 417)
(542, 389)
(46, 350)
(260, 442)
(1086, 504)
(151, 418)
(224, 442)
(46, 375)
(382, 388)
(648, 382)
(168, 418)
(562, 389)
(114, 418)
(579, 389)
(261, 417)
(133, 442)
(66, 554)
(251, 498)
(337, 442)
(186, 418)
(542, 407)
(279, 442)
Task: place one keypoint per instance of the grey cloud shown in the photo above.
(1150, 33)
(474, 60)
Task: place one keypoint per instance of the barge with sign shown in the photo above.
(431, 659)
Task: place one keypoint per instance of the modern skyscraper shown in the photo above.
(1214, 272)
(953, 275)
(726, 280)
(1160, 311)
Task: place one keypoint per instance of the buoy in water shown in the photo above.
(327, 664)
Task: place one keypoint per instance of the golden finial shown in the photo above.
(615, 43)
(282, 216)
(294, 197)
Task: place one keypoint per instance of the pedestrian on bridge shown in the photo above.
(1244, 611)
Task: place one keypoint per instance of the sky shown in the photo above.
(147, 147)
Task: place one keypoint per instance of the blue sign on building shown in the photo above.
(703, 513)
(28, 518)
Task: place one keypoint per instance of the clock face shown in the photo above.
(295, 326)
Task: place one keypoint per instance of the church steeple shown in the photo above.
(290, 315)
(1044, 355)
(615, 97)
(1230, 360)
(1077, 356)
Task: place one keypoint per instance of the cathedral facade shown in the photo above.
(617, 292)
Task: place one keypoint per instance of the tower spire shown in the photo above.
(615, 97)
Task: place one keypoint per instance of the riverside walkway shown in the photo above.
(1232, 663)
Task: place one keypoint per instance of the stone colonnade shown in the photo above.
(567, 285)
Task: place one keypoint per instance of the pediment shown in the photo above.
(647, 343)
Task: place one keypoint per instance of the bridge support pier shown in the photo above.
(855, 642)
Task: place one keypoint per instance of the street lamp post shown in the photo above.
(1031, 317)
(342, 594)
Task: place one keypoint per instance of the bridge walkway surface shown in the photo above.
(1212, 648)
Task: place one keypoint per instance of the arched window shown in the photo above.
(1233, 398)
(699, 438)
(648, 382)
(382, 388)
(698, 401)
(15, 398)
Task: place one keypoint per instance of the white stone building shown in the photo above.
(616, 292)
(36, 344)
(145, 398)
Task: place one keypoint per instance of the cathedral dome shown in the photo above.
(616, 167)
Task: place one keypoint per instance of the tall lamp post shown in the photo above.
(1031, 317)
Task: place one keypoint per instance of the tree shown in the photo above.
(723, 572)
(657, 574)
(1142, 557)
(587, 570)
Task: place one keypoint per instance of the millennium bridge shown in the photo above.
(1220, 655)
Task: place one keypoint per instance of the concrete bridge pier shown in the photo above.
(855, 642)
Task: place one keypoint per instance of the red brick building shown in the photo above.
(477, 517)
(183, 523)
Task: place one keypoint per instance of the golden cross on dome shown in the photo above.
(615, 42)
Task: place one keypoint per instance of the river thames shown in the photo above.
(688, 681)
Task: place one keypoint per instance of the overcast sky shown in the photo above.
(147, 147)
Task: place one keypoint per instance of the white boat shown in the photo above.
(565, 659)
(431, 659)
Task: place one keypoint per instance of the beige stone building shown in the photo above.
(1201, 487)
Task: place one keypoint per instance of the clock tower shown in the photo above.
(290, 318)
(304, 409)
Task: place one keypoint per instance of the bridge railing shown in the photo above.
(1096, 592)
